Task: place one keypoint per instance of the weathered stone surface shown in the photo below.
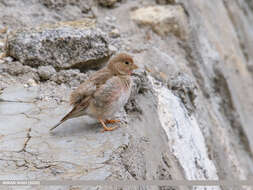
(86, 150)
(61, 46)
(218, 64)
(45, 72)
(107, 3)
(52, 4)
(165, 2)
(186, 135)
(61, 4)
(241, 15)
(163, 19)
(114, 33)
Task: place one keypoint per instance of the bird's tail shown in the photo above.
(75, 112)
(66, 117)
(60, 122)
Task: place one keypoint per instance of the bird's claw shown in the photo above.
(111, 121)
(109, 128)
(105, 127)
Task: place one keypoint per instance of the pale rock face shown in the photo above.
(163, 19)
(184, 135)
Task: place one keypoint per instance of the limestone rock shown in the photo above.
(60, 4)
(163, 19)
(107, 3)
(114, 33)
(45, 72)
(165, 2)
(186, 134)
(52, 4)
(64, 45)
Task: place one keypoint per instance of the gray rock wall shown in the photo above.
(190, 111)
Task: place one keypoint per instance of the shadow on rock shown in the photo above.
(77, 127)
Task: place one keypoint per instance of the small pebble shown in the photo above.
(31, 82)
(114, 33)
(113, 49)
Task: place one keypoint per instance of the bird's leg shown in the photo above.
(105, 127)
(111, 121)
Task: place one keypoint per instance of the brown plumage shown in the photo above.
(104, 93)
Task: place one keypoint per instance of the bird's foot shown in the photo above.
(105, 127)
(111, 121)
(109, 128)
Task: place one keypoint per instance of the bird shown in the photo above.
(104, 93)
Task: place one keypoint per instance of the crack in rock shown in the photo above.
(30, 117)
(28, 137)
(17, 101)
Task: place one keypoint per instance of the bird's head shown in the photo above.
(122, 64)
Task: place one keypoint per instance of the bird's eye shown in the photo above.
(127, 63)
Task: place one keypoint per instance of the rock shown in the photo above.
(16, 68)
(63, 45)
(113, 49)
(185, 132)
(8, 59)
(45, 72)
(52, 4)
(114, 33)
(163, 19)
(58, 154)
(2, 57)
(107, 3)
(111, 19)
(72, 77)
(3, 30)
(18, 93)
(165, 2)
(31, 82)
(215, 55)
(60, 4)
(1, 60)
(185, 88)
(1, 45)
(242, 22)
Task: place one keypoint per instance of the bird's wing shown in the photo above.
(89, 87)
(108, 92)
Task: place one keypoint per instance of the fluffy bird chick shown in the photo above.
(104, 93)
